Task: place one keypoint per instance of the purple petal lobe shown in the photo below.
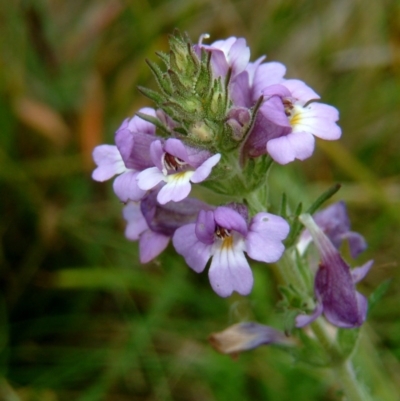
(176, 148)
(299, 145)
(151, 244)
(265, 75)
(177, 188)
(109, 162)
(299, 90)
(149, 178)
(359, 273)
(195, 252)
(230, 219)
(205, 227)
(263, 242)
(304, 320)
(230, 271)
(126, 187)
(318, 119)
(136, 224)
(204, 170)
(273, 110)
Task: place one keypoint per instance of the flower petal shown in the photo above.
(177, 187)
(264, 240)
(318, 119)
(359, 273)
(204, 170)
(149, 178)
(299, 90)
(126, 187)
(136, 223)
(205, 227)
(230, 219)
(109, 162)
(299, 145)
(304, 320)
(230, 271)
(151, 244)
(195, 252)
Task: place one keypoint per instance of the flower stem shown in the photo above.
(354, 390)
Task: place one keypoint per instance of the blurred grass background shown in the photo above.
(80, 318)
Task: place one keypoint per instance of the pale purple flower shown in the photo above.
(287, 106)
(334, 286)
(132, 154)
(153, 224)
(334, 222)
(177, 165)
(224, 234)
(246, 336)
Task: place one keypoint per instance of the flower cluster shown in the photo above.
(219, 121)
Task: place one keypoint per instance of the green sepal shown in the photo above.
(347, 341)
(312, 353)
(164, 131)
(152, 95)
(283, 207)
(295, 227)
(162, 79)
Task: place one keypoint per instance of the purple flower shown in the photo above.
(177, 165)
(246, 336)
(335, 223)
(248, 86)
(153, 224)
(287, 106)
(232, 53)
(334, 284)
(225, 235)
(132, 154)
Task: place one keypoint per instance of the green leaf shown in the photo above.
(378, 294)
(323, 198)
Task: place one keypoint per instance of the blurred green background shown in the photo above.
(80, 318)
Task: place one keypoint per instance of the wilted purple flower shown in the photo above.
(133, 139)
(335, 223)
(224, 234)
(334, 284)
(153, 224)
(177, 165)
(246, 336)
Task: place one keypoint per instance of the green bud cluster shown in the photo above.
(194, 99)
